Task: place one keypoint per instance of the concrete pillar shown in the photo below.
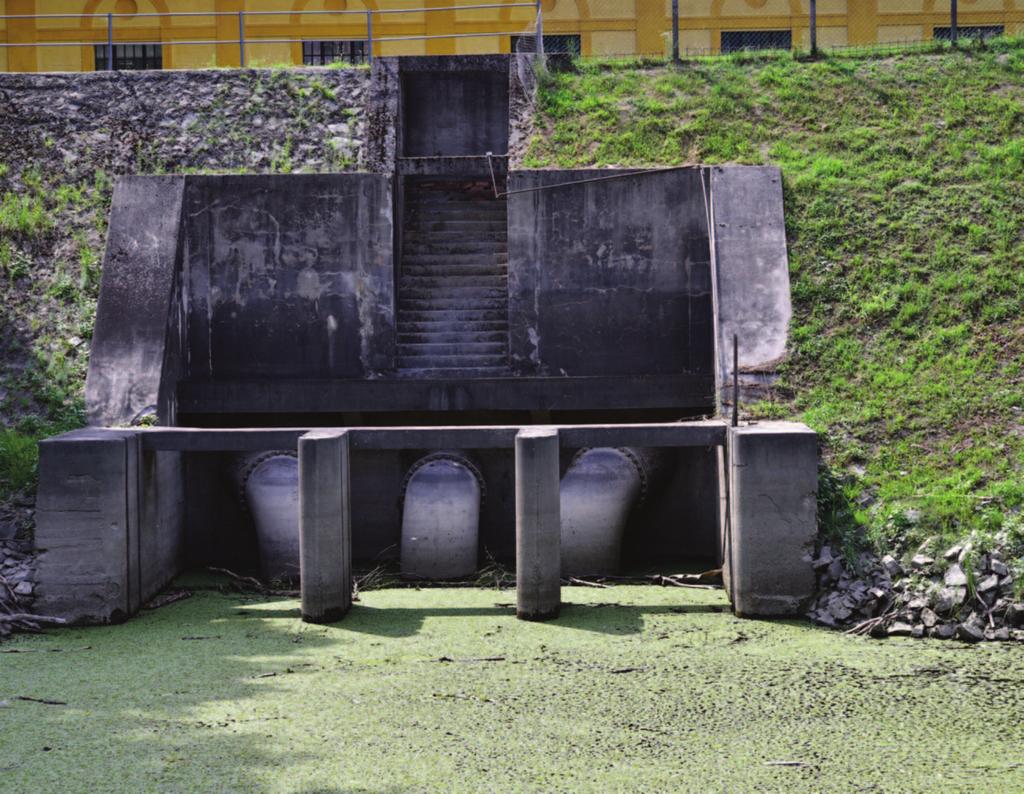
(773, 486)
(538, 524)
(325, 526)
(87, 526)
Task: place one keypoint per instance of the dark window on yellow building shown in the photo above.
(553, 44)
(738, 40)
(969, 32)
(322, 53)
(131, 56)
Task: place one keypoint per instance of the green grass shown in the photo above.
(633, 688)
(19, 458)
(904, 189)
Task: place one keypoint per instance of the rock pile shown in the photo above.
(17, 587)
(964, 595)
(177, 120)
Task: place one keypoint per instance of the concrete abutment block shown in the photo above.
(773, 485)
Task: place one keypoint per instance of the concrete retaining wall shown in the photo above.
(609, 276)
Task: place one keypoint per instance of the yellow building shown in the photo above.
(71, 35)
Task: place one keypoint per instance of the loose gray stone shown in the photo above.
(900, 629)
(23, 589)
(892, 567)
(968, 632)
(921, 561)
(999, 568)
(1015, 615)
(943, 631)
(953, 552)
(929, 618)
(988, 583)
(955, 576)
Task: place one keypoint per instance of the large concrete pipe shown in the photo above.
(269, 484)
(598, 492)
(441, 517)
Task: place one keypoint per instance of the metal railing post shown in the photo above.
(675, 31)
(538, 30)
(814, 28)
(953, 33)
(110, 42)
(369, 35)
(241, 39)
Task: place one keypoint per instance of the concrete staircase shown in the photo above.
(453, 280)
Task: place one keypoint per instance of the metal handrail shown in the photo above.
(241, 17)
(268, 13)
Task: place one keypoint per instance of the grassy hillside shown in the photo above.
(64, 139)
(904, 184)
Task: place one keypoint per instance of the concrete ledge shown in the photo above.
(773, 485)
(704, 433)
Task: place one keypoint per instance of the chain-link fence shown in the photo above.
(146, 34)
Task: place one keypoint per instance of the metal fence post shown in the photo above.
(675, 31)
(369, 35)
(241, 39)
(814, 28)
(539, 32)
(953, 33)
(110, 42)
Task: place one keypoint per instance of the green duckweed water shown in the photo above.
(632, 688)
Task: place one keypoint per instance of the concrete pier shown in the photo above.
(538, 524)
(773, 486)
(325, 526)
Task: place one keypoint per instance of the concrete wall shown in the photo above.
(136, 357)
(289, 276)
(609, 276)
(752, 275)
(455, 113)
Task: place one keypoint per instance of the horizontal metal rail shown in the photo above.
(234, 14)
(250, 40)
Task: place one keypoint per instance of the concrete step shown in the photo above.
(455, 363)
(408, 337)
(467, 245)
(442, 237)
(433, 303)
(455, 259)
(446, 315)
(445, 290)
(495, 371)
(454, 271)
(453, 327)
(497, 218)
(476, 348)
(443, 281)
(474, 227)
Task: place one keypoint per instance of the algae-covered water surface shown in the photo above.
(443, 689)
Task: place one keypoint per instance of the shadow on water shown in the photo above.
(602, 618)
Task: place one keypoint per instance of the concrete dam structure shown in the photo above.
(436, 361)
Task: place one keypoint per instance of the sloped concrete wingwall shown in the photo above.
(752, 275)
